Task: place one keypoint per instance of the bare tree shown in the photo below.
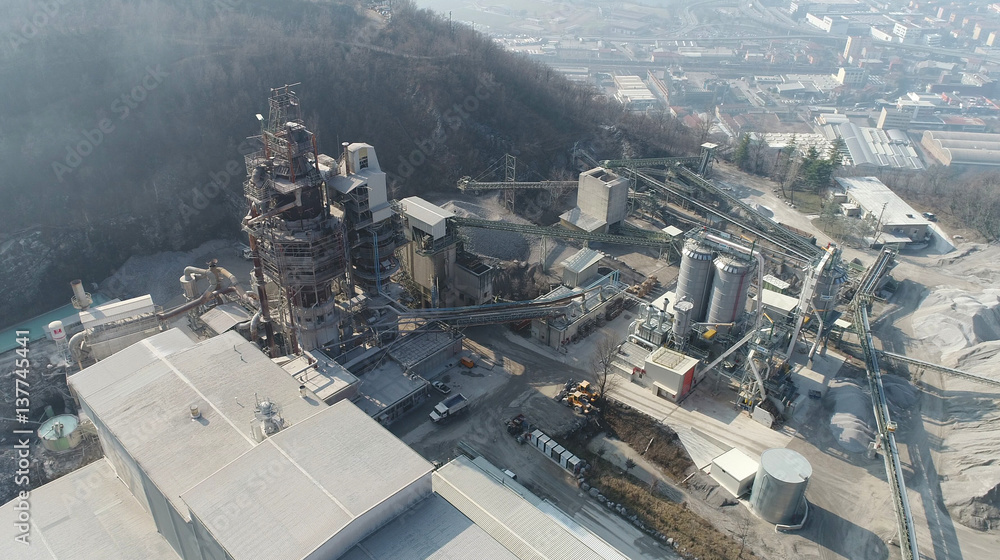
(629, 465)
(744, 526)
(605, 379)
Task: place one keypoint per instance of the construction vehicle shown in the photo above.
(579, 402)
(467, 362)
(449, 407)
(517, 426)
(587, 388)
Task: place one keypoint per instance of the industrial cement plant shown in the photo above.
(328, 400)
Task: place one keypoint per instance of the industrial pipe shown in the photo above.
(77, 345)
(205, 298)
(234, 283)
(258, 272)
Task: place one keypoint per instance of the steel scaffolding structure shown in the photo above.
(656, 240)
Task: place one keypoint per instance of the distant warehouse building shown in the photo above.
(963, 148)
(896, 221)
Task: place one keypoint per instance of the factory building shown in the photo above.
(895, 220)
(602, 302)
(602, 202)
(214, 451)
(669, 374)
(978, 149)
(441, 271)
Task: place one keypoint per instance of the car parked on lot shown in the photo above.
(441, 387)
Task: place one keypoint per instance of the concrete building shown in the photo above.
(832, 24)
(894, 118)
(669, 374)
(734, 471)
(895, 220)
(963, 148)
(581, 267)
(602, 201)
(603, 302)
(852, 76)
(434, 259)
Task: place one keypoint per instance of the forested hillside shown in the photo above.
(117, 116)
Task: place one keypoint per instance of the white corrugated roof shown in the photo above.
(430, 214)
(111, 312)
(143, 394)
(582, 260)
(510, 519)
(226, 316)
(88, 513)
(433, 529)
(872, 195)
(300, 487)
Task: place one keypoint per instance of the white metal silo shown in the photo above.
(695, 277)
(828, 287)
(729, 290)
(778, 494)
(682, 322)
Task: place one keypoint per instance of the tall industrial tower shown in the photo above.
(296, 234)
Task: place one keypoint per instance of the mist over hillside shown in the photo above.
(123, 122)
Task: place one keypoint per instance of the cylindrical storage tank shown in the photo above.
(58, 333)
(828, 287)
(60, 433)
(190, 286)
(779, 489)
(682, 322)
(729, 291)
(695, 277)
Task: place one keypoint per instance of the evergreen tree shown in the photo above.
(741, 156)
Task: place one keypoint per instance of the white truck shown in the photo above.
(449, 407)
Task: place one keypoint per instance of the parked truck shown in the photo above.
(449, 407)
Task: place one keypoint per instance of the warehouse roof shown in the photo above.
(88, 513)
(582, 260)
(143, 394)
(303, 485)
(510, 519)
(431, 529)
(111, 312)
(872, 195)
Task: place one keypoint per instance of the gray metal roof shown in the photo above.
(582, 220)
(89, 513)
(226, 316)
(583, 259)
(871, 194)
(433, 529)
(510, 519)
(143, 394)
(300, 487)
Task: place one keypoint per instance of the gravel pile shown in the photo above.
(853, 420)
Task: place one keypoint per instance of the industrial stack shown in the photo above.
(296, 237)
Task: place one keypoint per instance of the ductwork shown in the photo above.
(77, 347)
(205, 298)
